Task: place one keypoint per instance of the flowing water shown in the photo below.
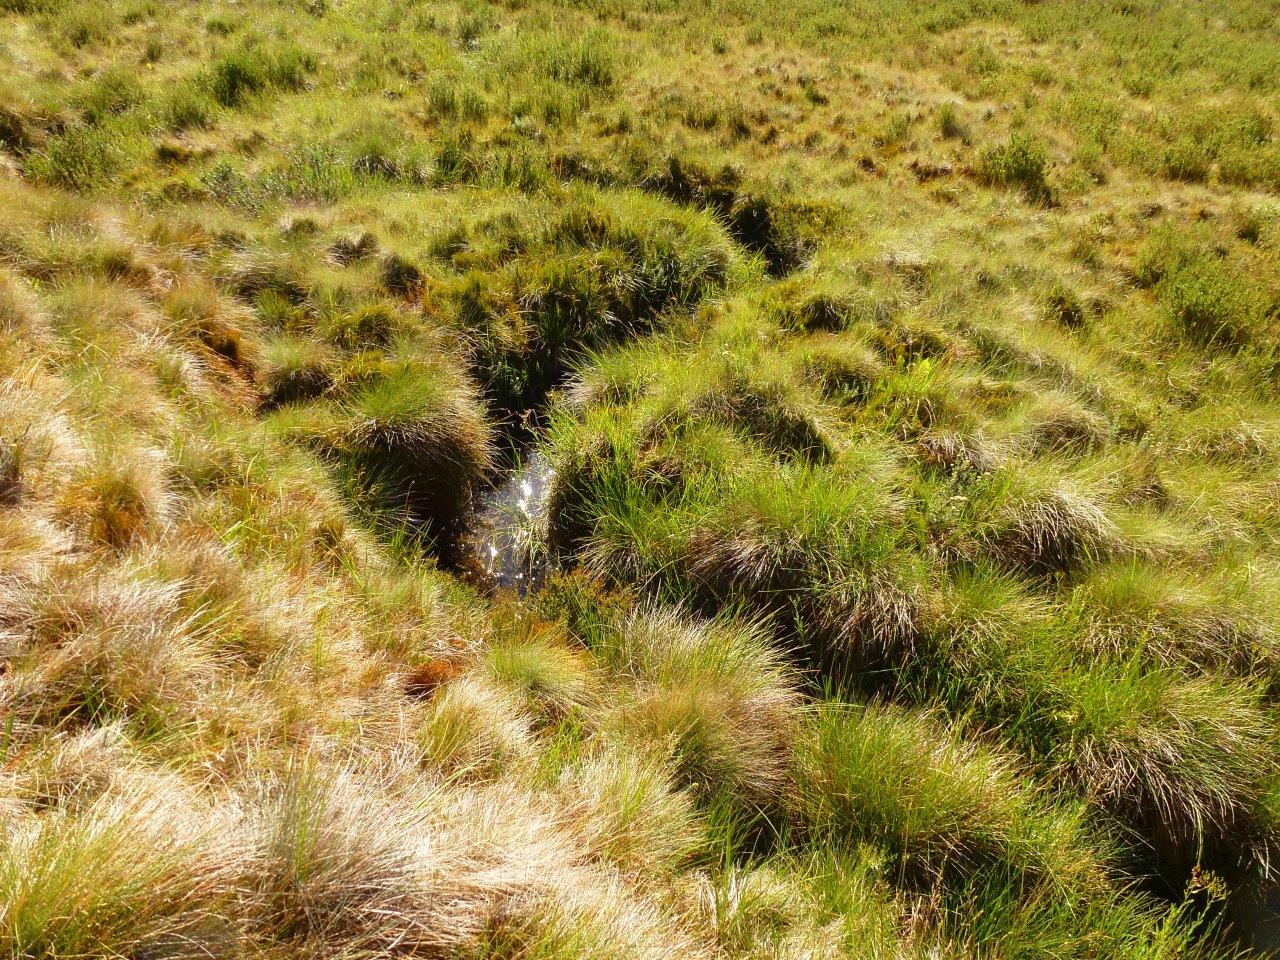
(504, 546)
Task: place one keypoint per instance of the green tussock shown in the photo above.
(625, 480)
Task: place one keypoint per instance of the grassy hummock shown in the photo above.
(908, 380)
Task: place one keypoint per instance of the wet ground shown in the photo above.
(503, 547)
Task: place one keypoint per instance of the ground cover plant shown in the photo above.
(903, 382)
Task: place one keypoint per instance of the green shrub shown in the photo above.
(1020, 164)
(251, 70)
(80, 158)
(949, 124)
(1189, 160)
(189, 107)
(1210, 305)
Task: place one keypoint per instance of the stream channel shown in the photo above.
(504, 543)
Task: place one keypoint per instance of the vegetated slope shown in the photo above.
(909, 374)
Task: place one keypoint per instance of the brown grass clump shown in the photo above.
(97, 646)
(20, 311)
(39, 448)
(120, 496)
(146, 869)
(200, 317)
(340, 868)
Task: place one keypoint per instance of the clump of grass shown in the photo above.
(1063, 305)
(368, 326)
(352, 249)
(950, 127)
(400, 276)
(189, 107)
(630, 814)
(413, 428)
(20, 310)
(107, 648)
(88, 27)
(335, 865)
(474, 729)
(959, 454)
(713, 699)
(1059, 422)
(294, 370)
(769, 408)
(1174, 621)
(1188, 159)
(1041, 523)
(589, 59)
(81, 157)
(1183, 759)
(1019, 164)
(942, 807)
(251, 70)
(199, 314)
(120, 496)
(844, 369)
(553, 680)
(144, 869)
(777, 231)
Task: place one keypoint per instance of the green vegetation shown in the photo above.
(909, 385)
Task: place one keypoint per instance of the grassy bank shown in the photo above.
(910, 378)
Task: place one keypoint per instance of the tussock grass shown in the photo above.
(475, 729)
(630, 813)
(555, 681)
(1176, 620)
(909, 384)
(413, 426)
(1018, 164)
(715, 699)
(295, 370)
(140, 870)
(939, 805)
(119, 497)
(100, 649)
(1042, 524)
(1185, 757)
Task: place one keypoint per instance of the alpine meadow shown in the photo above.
(639, 479)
